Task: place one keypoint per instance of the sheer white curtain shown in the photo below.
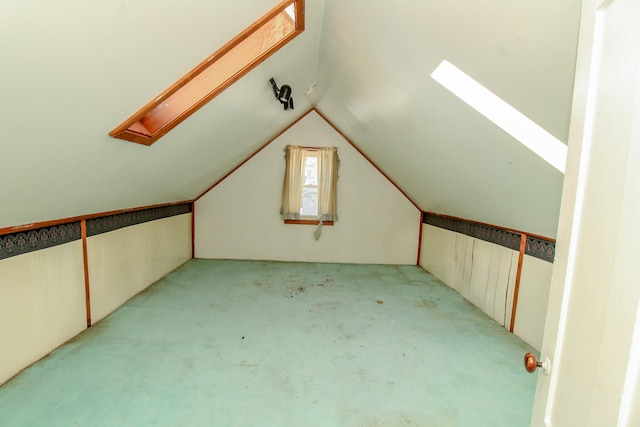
(328, 164)
(292, 185)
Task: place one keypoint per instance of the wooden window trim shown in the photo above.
(307, 222)
(133, 129)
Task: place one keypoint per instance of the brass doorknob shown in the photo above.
(531, 363)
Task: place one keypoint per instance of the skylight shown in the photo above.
(216, 73)
(516, 124)
(291, 12)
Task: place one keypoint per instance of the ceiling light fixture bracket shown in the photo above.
(283, 94)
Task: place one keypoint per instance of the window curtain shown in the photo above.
(328, 164)
(292, 185)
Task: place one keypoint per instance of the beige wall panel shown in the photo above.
(168, 245)
(42, 304)
(535, 283)
(239, 218)
(482, 272)
(125, 261)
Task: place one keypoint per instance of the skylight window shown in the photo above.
(291, 12)
(216, 73)
(516, 124)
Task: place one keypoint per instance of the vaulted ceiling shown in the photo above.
(73, 70)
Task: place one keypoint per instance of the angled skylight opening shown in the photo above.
(216, 73)
(291, 11)
(516, 124)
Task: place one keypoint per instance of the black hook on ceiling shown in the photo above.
(283, 94)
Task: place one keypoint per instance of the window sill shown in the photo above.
(307, 222)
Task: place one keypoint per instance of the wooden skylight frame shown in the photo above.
(216, 73)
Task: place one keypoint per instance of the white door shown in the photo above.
(592, 333)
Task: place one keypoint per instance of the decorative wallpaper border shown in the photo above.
(105, 224)
(483, 232)
(535, 247)
(540, 248)
(40, 238)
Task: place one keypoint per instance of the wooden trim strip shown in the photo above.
(420, 239)
(252, 155)
(367, 158)
(307, 222)
(516, 289)
(42, 224)
(300, 15)
(85, 258)
(193, 230)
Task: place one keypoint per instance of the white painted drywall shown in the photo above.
(42, 304)
(535, 281)
(482, 272)
(239, 218)
(126, 261)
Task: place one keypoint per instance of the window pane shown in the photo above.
(311, 170)
(309, 202)
(291, 11)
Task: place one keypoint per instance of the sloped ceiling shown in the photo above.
(375, 63)
(73, 70)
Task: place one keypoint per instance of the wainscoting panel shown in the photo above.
(43, 286)
(42, 304)
(125, 261)
(535, 282)
(484, 273)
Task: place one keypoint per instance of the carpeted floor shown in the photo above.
(254, 343)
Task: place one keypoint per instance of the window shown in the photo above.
(219, 71)
(309, 204)
(309, 190)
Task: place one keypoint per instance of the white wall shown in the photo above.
(125, 261)
(485, 274)
(42, 304)
(535, 282)
(239, 218)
